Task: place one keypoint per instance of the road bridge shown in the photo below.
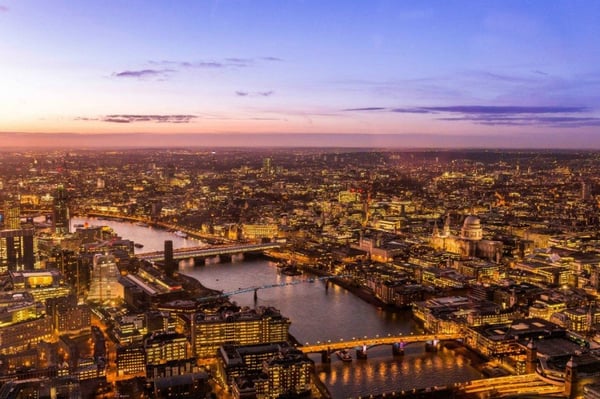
(205, 252)
(362, 344)
(375, 341)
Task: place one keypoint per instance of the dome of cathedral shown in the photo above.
(471, 221)
(471, 229)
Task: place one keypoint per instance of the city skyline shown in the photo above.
(300, 73)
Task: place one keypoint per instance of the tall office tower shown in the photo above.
(12, 215)
(100, 183)
(104, 283)
(169, 261)
(16, 243)
(60, 212)
(267, 168)
(585, 190)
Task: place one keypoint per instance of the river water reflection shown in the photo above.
(320, 314)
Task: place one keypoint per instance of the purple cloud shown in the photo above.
(504, 109)
(411, 110)
(143, 73)
(366, 109)
(127, 118)
(271, 59)
(506, 115)
(225, 63)
(3, 8)
(241, 93)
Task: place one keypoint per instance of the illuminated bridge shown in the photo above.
(205, 252)
(388, 340)
(362, 344)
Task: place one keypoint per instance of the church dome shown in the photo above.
(471, 229)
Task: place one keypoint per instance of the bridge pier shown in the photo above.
(433, 345)
(326, 356)
(225, 258)
(255, 294)
(398, 349)
(199, 261)
(361, 353)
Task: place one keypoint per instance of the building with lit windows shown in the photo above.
(60, 387)
(16, 307)
(104, 282)
(210, 330)
(41, 284)
(545, 307)
(22, 335)
(68, 316)
(16, 249)
(131, 360)
(258, 231)
(60, 212)
(288, 375)
(164, 347)
(453, 314)
(266, 371)
(244, 362)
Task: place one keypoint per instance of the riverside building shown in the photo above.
(210, 330)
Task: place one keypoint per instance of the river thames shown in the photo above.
(320, 314)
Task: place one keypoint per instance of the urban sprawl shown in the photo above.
(493, 252)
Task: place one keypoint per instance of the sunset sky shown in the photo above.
(519, 72)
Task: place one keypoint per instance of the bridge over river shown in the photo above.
(206, 252)
(362, 344)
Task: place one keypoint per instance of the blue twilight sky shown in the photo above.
(481, 69)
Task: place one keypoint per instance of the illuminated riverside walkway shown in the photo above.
(499, 387)
(526, 384)
(204, 252)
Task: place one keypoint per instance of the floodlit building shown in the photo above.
(104, 284)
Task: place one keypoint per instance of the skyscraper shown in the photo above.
(16, 243)
(60, 212)
(169, 261)
(12, 215)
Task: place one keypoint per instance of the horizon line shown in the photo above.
(389, 141)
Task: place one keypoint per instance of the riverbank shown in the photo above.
(195, 287)
(362, 292)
